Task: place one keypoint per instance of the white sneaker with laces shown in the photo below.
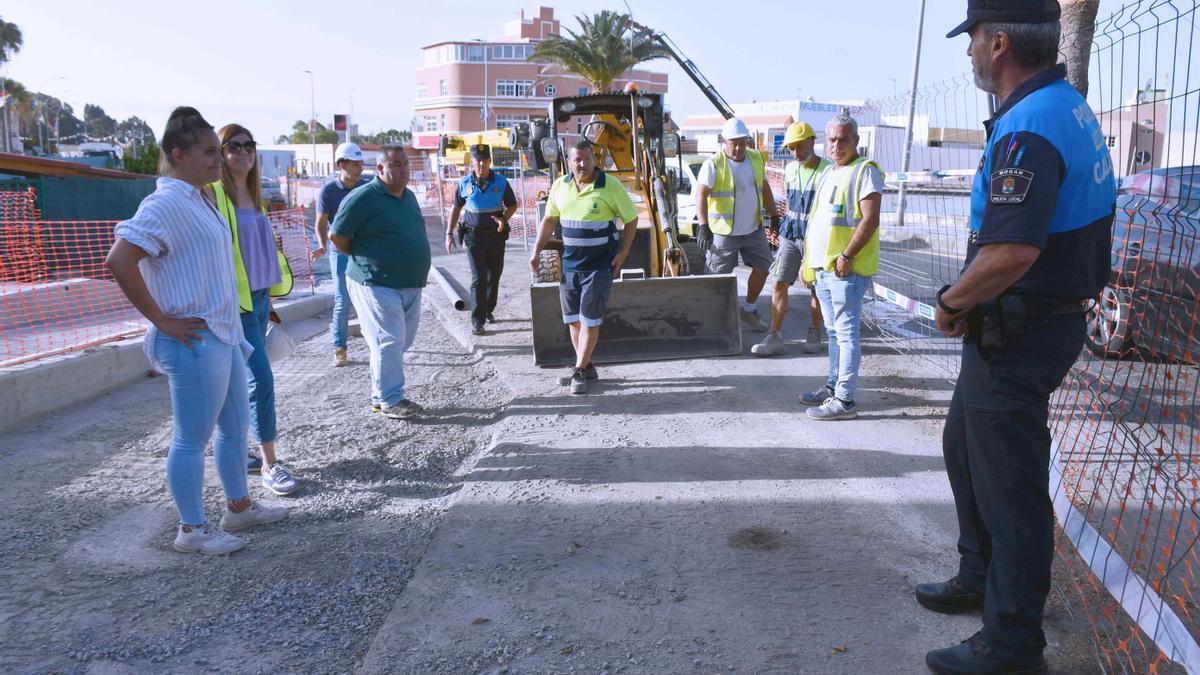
(833, 408)
(256, 514)
(207, 539)
(278, 479)
(771, 345)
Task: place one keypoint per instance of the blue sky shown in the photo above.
(245, 61)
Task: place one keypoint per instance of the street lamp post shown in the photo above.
(486, 113)
(312, 120)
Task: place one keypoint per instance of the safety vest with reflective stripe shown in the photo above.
(801, 183)
(721, 198)
(589, 227)
(841, 230)
(227, 209)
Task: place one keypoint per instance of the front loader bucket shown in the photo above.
(647, 320)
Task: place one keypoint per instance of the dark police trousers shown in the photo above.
(486, 252)
(997, 449)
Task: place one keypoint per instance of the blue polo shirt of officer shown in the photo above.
(482, 203)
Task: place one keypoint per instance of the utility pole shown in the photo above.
(912, 112)
(312, 120)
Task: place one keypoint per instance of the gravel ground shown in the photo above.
(92, 585)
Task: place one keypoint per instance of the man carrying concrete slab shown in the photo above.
(588, 204)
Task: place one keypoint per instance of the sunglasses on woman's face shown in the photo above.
(236, 146)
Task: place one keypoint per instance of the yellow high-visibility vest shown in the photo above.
(842, 226)
(228, 210)
(721, 198)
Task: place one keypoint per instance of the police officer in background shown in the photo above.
(489, 203)
(1041, 229)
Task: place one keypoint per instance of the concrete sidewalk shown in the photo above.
(684, 516)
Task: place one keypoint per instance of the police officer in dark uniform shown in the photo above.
(486, 201)
(1041, 228)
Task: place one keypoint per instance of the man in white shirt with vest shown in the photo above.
(842, 254)
(731, 193)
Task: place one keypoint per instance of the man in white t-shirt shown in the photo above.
(731, 193)
(842, 254)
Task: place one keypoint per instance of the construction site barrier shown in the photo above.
(1125, 473)
(57, 296)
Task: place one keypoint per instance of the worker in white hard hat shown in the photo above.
(731, 195)
(800, 176)
(349, 160)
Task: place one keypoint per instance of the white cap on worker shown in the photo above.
(734, 128)
(349, 151)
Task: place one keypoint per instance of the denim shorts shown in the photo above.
(584, 295)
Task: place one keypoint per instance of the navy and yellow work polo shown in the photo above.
(589, 215)
(483, 202)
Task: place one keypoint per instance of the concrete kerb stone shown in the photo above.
(31, 390)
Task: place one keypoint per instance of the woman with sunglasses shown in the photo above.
(171, 259)
(262, 272)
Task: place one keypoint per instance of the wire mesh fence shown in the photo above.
(1125, 422)
(57, 296)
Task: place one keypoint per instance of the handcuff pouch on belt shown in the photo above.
(997, 321)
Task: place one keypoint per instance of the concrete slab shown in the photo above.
(685, 516)
(30, 390)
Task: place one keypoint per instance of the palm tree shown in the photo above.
(601, 49)
(10, 40)
(1075, 45)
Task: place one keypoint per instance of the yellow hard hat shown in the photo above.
(799, 131)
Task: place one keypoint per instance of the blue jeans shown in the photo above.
(841, 306)
(262, 380)
(339, 326)
(389, 319)
(208, 390)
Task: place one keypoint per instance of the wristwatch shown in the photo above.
(849, 258)
(942, 304)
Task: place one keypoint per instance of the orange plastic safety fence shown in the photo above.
(57, 296)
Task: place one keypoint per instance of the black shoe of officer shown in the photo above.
(491, 318)
(974, 657)
(477, 328)
(949, 597)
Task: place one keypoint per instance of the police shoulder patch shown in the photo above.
(1010, 186)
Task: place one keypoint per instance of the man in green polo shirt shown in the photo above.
(381, 228)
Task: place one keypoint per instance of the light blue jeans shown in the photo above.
(389, 319)
(340, 324)
(262, 379)
(841, 306)
(208, 390)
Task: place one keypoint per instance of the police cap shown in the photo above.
(1007, 11)
(481, 151)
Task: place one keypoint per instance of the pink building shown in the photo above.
(473, 85)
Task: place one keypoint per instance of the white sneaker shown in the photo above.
(255, 515)
(278, 479)
(812, 344)
(770, 345)
(207, 539)
(833, 409)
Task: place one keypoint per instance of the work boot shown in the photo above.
(771, 345)
(812, 343)
(750, 318)
(339, 357)
(579, 383)
(402, 410)
(477, 328)
(974, 657)
(491, 318)
(949, 597)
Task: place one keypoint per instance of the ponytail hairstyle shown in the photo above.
(183, 130)
(253, 181)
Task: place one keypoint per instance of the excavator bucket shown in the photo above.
(646, 320)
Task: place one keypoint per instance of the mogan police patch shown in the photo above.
(1010, 186)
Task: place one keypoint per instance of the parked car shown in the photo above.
(1151, 301)
(272, 194)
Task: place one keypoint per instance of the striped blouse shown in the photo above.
(189, 266)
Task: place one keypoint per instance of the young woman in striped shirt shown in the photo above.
(172, 261)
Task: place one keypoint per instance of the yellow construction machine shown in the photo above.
(662, 306)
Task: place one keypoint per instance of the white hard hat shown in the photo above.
(734, 128)
(349, 151)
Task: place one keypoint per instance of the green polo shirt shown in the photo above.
(388, 244)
